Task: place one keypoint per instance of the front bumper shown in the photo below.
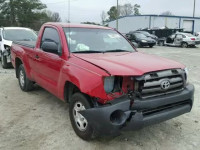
(120, 115)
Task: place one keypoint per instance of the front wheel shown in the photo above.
(151, 46)
(24, 83)
(4, 63)
(81, 126)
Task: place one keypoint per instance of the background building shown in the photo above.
(131, 23)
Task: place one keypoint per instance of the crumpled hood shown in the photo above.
(127, 64)
(5, 42)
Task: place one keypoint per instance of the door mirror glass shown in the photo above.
(50, 47)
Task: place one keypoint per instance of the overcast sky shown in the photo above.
(90, 10)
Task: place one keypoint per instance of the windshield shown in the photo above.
(139, 35)
(19, 35)
(96, 40)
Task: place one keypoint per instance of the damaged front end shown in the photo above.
(6, 51)
(141, 103)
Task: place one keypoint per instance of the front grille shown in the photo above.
(160, 83)
(147, 112)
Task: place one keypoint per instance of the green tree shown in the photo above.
(136, 9)
(113, 14)
(26, 13)
(126, 9)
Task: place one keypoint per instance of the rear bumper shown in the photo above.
(120, 115)
(193, 42)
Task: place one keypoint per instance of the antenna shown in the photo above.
(69, 11)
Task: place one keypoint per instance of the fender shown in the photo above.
(20, 53)
(88, 82)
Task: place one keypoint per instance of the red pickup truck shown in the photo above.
(109, 85)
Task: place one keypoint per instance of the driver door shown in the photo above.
(48, 64)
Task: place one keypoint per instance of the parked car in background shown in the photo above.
(110, 86)
(7, 36)
(148, 34)
(180, 39)
(141, 39)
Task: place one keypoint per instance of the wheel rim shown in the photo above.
(21, 78)
(80, 121)
(184, 45)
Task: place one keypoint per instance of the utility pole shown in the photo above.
(194, 8)
(117, 25)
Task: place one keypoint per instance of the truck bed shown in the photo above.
(30, 44)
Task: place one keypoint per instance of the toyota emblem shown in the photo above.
(165, 85)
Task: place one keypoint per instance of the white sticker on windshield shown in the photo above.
(114, 36)
(82, 47)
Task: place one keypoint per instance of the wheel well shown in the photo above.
(69, 90)
(18, 62)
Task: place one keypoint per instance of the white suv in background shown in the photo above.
(7, 36)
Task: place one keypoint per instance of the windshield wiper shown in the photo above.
(117, 50)
(88, 52)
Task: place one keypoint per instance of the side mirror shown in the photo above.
(50, 47)
(0, 38)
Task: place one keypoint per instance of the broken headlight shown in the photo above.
(112, 84)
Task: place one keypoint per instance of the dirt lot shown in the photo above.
(38, 120)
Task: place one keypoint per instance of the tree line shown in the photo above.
(25, 13)
(123, 10)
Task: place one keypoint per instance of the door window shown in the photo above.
(178, 36)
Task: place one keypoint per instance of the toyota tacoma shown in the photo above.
(109, 85)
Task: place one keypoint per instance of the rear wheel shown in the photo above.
(161, 43)
(79, 123)
(184, 45)
(24, 83)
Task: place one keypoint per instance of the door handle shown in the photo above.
(37, 57)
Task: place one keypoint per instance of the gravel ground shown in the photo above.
(38, 120)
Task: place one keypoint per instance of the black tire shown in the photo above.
(4, 63)
(184, 45)
(151, 46)
(27, 85)
(161, 43)
(88, 133)
(139, 45)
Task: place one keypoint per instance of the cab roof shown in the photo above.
(67, 25)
